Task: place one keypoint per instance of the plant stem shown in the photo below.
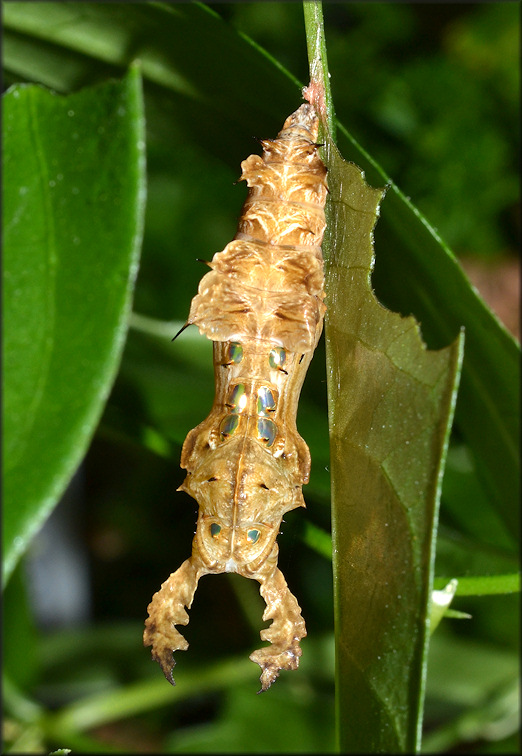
(484, 585)
(318, 61)
(119, 703)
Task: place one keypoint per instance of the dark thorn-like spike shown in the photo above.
(181, 331)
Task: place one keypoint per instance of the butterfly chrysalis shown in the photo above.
(262, 306)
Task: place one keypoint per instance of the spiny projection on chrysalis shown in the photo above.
(262, 306)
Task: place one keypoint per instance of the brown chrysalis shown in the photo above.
(262, 306)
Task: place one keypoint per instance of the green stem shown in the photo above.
(164, 329)
(317, 58)
(119, 703)
(483, 585)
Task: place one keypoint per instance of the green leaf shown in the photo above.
(73, 209)
(391, 403)
(417, 273)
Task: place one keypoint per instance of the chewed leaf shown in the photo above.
(391, 403)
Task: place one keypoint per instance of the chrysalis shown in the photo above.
(262, 306)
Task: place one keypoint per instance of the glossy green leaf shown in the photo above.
(73, 207)
(391, 404)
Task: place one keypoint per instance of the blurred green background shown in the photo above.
(432, 93)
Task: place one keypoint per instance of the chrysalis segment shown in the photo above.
(268, 282)
(262, 305)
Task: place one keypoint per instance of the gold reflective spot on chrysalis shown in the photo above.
(277, 358)
(265, 401)
(266, 431)
(234, 353)
(229, 425)
(238, 398)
